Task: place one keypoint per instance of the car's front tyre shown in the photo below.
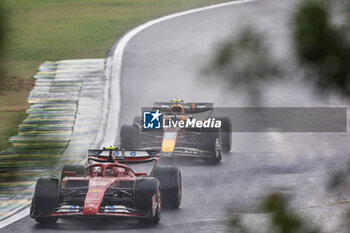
(45, 200)
(211, 141)
(226, 133)
(148, 199)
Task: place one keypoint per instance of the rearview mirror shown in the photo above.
(140, 173)
(69, 173)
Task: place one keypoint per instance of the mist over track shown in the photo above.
(164, 62)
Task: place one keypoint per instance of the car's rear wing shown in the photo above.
(190, 108)
(112, 154)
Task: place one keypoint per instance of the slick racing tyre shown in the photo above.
(80, 170)
(148, 199)
(45, 200)
(226, 133)
(170, 185)
(129, 138)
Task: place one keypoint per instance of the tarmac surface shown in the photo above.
(165, 62)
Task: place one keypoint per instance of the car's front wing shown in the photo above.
(107, 211)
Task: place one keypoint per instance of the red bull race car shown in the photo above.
(187, 130)
(107, 187)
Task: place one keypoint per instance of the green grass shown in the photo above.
(40, 30)
(9, 120)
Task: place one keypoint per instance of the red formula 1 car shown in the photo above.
(107, 187)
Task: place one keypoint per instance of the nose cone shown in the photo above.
(169, 141)
(93, 201)
(91, 209)
(95, 195)
(168, 145)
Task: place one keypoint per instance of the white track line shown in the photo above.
(14, 217)
(115, 93)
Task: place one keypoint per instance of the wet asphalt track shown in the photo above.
(163, 62)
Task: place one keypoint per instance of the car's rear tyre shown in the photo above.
(45, 200)
(79, 170)
(226, 133)
(129, 138)
(170, 185)
(137, 121)
(148, 199)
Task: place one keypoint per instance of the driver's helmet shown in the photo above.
(177, 108)
(96, 171)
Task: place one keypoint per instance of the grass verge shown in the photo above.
(9, 120)
(40, 30)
